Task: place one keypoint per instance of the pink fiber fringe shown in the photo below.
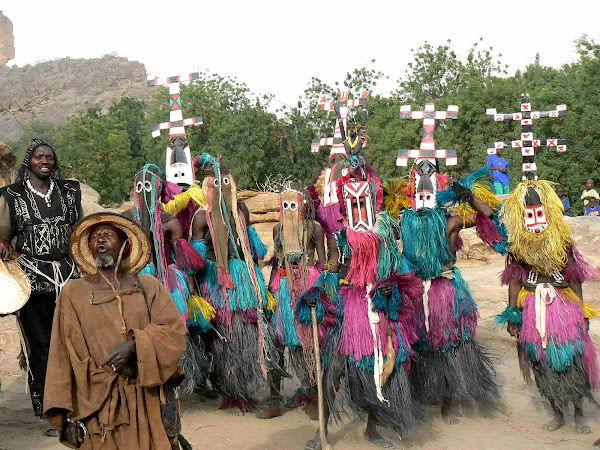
(513, 272)
(357, 339)
(276, 281)
(313, 274)
(186, 257)
(442, 180)
(225, 279)
(579, 270)
(249, 316)
(330, 218)
(565, 323)
(365, 254)
(444, 328)
(486, 230)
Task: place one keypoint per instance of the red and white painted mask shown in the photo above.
(535, 218)
(425, 185)
(360, 207)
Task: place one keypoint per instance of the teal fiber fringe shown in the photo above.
(390, 257)
(200, 246)
(149, 269)
(285, 328)
(259, 249)
(181, 293)
(425, 240)
(303, 313)
(390, 306)
(464, 304)
(511, 315)
(242, 297)
(448, 196)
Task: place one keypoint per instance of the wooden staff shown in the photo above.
(324, 444)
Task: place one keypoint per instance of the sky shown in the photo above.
(277, 46)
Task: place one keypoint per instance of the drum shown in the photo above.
(14, 286)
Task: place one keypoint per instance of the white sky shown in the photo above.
(276, 46)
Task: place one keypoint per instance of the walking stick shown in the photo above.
(324, 444)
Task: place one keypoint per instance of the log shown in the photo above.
(245, 195)
(266, 217)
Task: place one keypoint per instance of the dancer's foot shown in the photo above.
(581, 425)
(50, 431)
(273, 410)
(372, 436)
(557, 421)
(447, 414)
(312, 410)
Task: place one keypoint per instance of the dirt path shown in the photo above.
(515, 422)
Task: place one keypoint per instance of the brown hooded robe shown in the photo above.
(119, 412)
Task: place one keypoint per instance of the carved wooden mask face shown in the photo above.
(535, 215)
(425, 185)
(359, 202)
(292, 209)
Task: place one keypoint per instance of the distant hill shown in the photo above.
(69, 85)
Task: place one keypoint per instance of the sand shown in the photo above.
(514, 422)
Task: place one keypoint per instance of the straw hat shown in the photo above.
(15, 287)
(135, 261)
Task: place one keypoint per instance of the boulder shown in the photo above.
(263, 202)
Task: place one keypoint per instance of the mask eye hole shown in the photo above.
(428, 197)
(147, 186)
(540, 213)
(225, 181)
(530, 215)
(286, 205)
(293, 206)
(139, 186)
(216, 182)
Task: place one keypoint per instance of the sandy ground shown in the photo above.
(515, 421)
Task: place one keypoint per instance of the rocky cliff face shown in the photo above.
(65, 86)
(7, 40)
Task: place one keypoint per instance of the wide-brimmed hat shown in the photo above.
(138, 256)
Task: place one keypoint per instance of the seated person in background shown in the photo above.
(560, 191)
(592, 209)
(589, 192)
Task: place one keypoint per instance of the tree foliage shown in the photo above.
(105, 145)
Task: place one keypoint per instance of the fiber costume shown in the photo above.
(233, 285)
(375, 326)
(297, 237)
(171, 260)
(547, 271)
(450, 363)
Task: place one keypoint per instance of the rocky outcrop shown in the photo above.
(66, 86)
(7, 40)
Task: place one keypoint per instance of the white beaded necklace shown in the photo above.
(47, 197)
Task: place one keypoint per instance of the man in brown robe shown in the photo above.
(116, 339)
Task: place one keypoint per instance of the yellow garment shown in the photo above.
(181, 200)
(198, 305)
(568, 295)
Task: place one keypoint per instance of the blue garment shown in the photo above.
(497, 161)
(566, 206)
(595, 211)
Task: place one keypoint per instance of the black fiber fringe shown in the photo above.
(196, 363)
(237, 371)
(565, 388)
(465, 372)
(399, 413)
